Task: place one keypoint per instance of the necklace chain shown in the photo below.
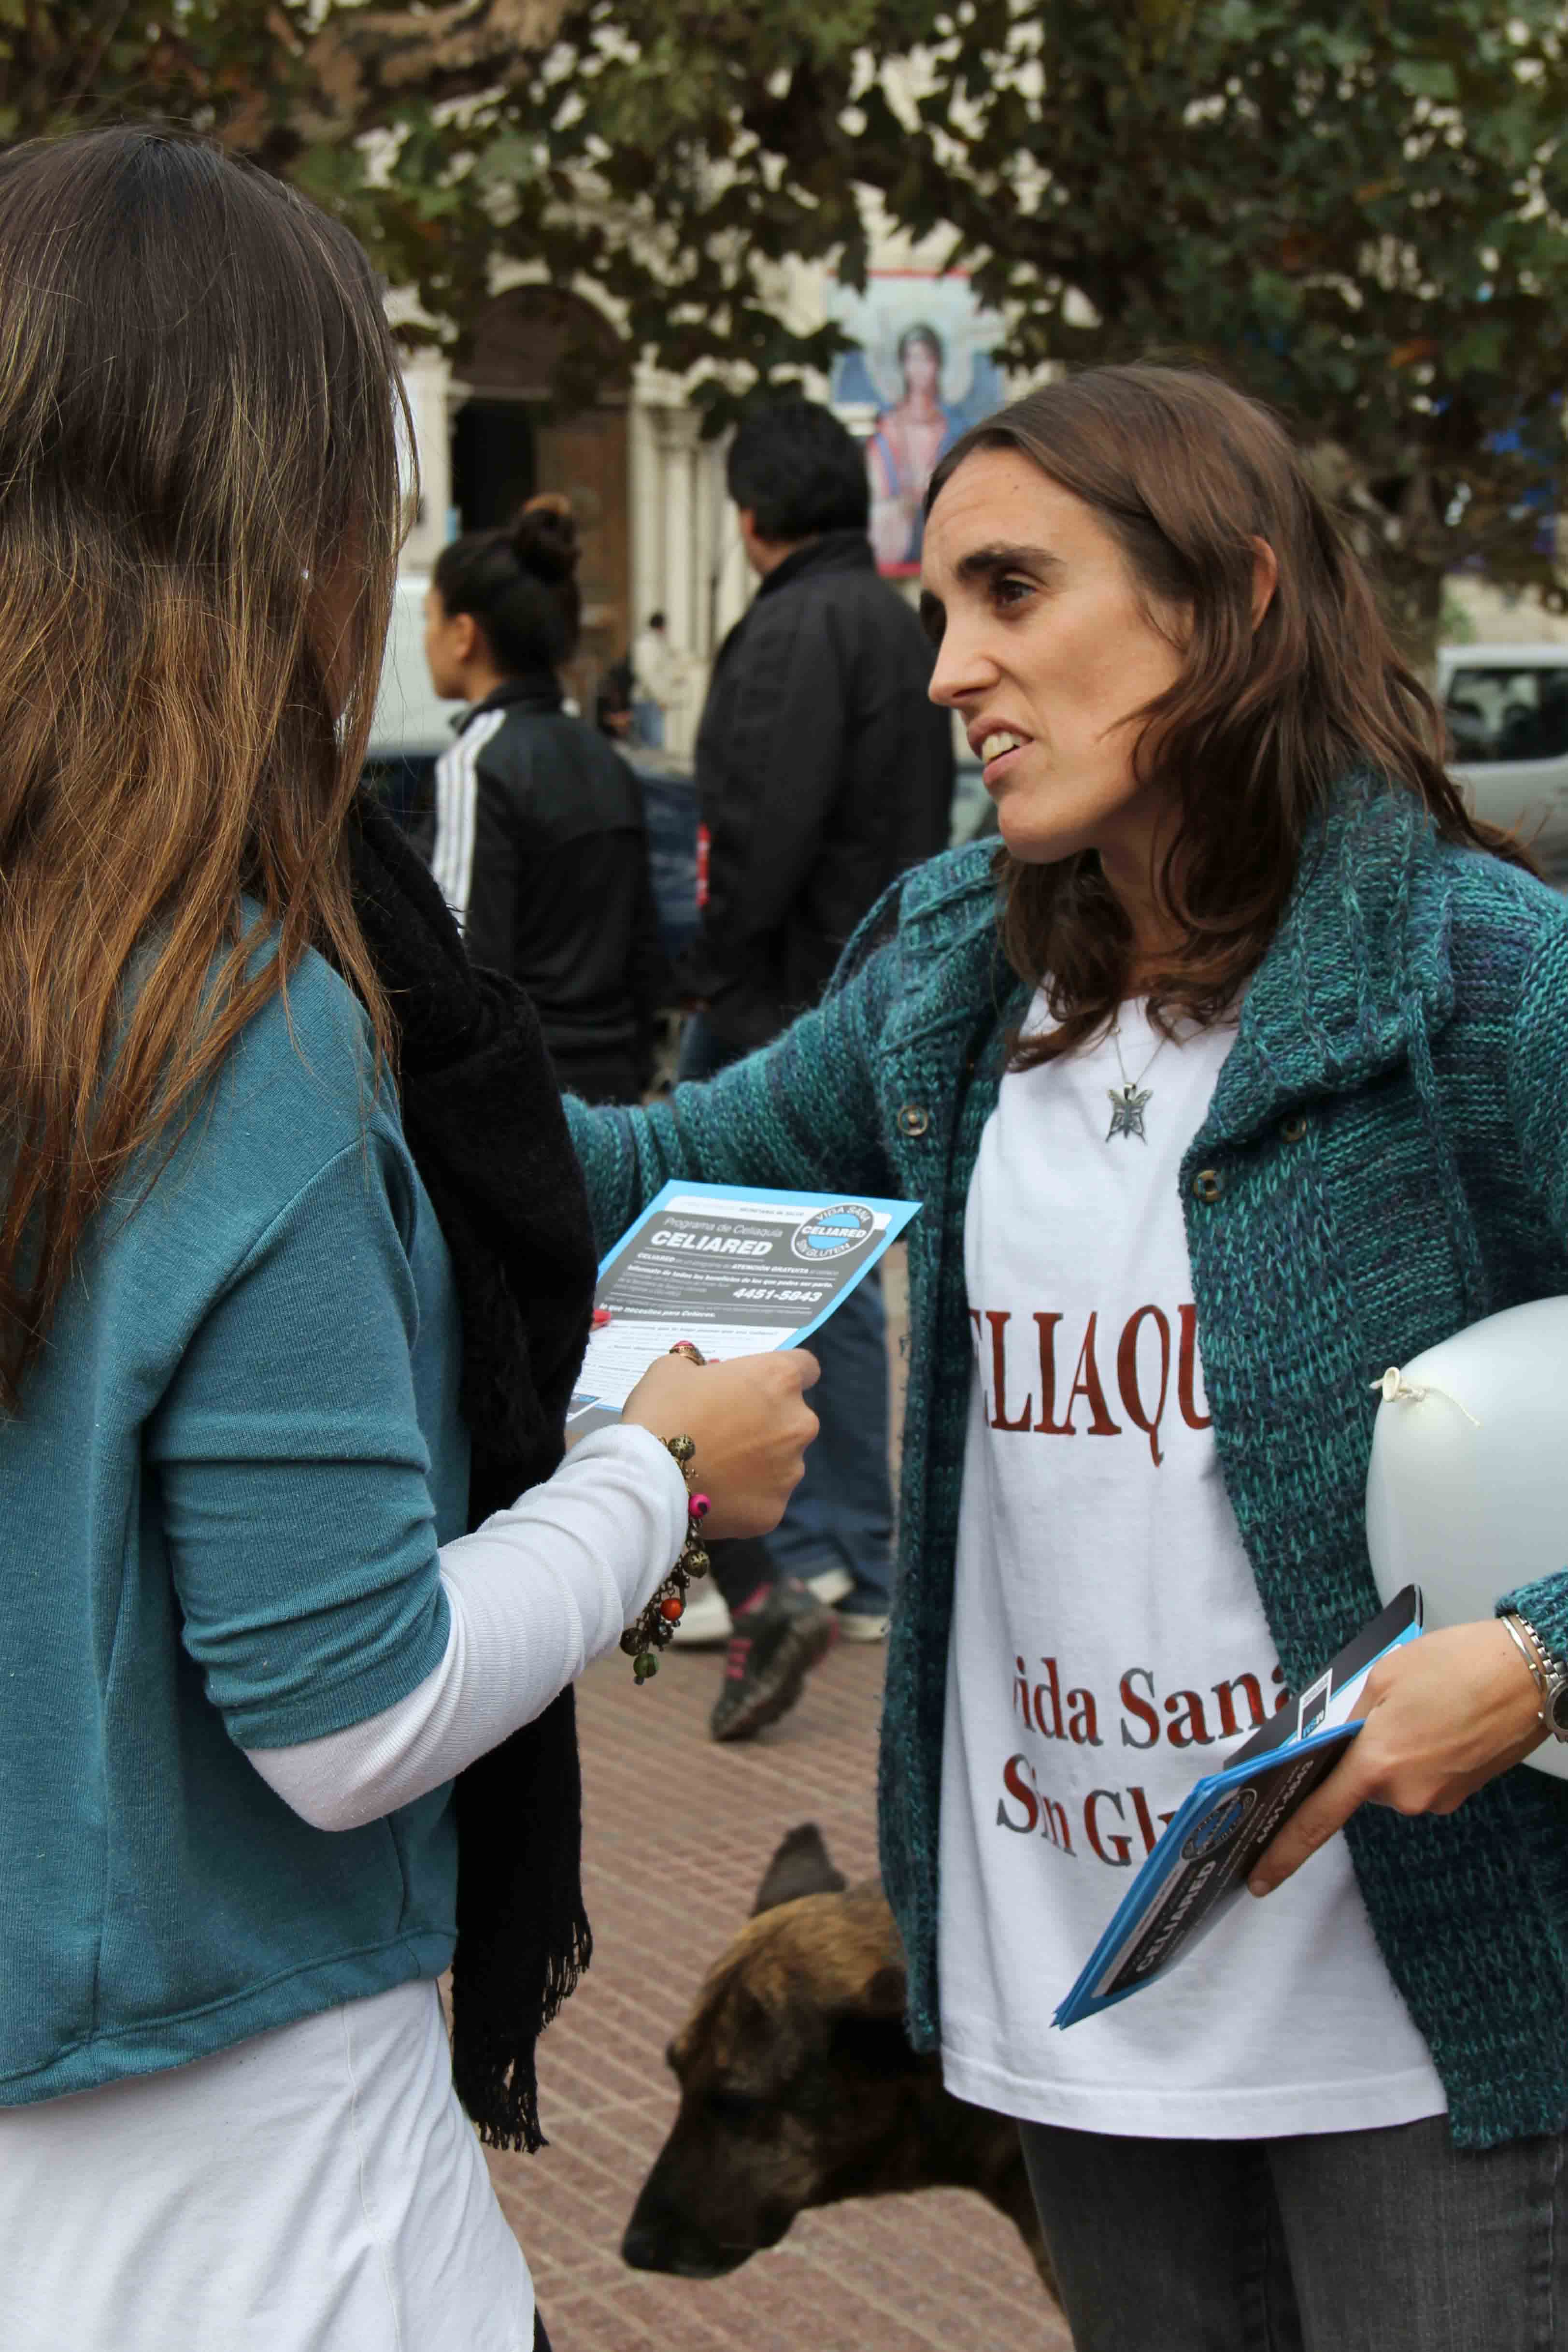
(1128, 1083)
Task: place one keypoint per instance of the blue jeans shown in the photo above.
(841, 1514)
(648, 718)
(1388, 2241)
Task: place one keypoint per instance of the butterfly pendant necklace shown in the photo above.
(1128, 1104)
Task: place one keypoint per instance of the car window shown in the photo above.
(1506, 711)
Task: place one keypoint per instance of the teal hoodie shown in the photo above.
(1385, 1160)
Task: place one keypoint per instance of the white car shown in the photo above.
(1507, 712)
(411, 726)
(1507, 709)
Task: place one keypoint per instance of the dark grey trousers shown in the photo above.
(1340, 2242)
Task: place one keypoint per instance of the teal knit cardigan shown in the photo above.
(1385, 1160)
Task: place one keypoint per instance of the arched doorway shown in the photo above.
(494, 462)
(513, 433)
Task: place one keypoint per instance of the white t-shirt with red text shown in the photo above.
(1109, 1647)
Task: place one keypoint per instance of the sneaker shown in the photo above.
(706, 1620)
(773, 1648)
(830, 1584)
(862, 1624)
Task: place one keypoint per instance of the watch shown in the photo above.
(1550, 1676)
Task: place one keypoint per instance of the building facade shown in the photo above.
(646, 490)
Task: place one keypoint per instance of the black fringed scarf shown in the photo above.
(481, 1112)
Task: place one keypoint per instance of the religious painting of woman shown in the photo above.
(919, 374)
(911, 439)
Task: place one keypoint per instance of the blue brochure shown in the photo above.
(1208, 1848)
(738, 1269)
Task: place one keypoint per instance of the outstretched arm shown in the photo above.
(802, 1112)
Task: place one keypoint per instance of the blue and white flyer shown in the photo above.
(736, 1269)
(1203, 1860)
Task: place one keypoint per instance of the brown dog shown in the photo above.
(798, 2086)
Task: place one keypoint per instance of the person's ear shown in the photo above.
(1265, 578)
(465, 635)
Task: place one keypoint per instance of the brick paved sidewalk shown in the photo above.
(678, 1833)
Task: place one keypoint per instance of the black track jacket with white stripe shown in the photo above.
(541, 855)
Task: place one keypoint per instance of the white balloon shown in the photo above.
(1467, 1492)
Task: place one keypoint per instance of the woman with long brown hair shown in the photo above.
(295, 1280)
(1233, 1075)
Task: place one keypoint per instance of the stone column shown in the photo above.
(676, 432)
(427, 380)
(645, 487)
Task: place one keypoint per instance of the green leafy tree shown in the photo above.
(1357, 213)
(389, 115)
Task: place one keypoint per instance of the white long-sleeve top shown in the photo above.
(353, 2213)
(534, 1595)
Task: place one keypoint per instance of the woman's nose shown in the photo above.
(963, 668)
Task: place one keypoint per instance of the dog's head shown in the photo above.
(793, 2066)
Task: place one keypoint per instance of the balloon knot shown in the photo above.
(1395, 1389)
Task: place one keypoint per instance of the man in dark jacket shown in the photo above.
(823, 771)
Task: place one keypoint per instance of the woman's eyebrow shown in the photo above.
(985, 562)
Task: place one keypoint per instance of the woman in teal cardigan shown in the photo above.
(1223, 817)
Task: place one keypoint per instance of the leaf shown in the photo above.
(505, 160)
(1300, 193)
(1480, 351)
(1426, 78)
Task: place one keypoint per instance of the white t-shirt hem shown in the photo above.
(1285, 2109)
(315, 2189)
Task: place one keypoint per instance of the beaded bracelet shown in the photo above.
(1527, 1641)
(654, 1630)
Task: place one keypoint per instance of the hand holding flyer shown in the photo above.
(1202, 1862)
(749, 1421)
(741, 1270)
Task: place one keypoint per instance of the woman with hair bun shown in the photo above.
(540, 850)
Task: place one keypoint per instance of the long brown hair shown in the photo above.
(1185, 473)
(199, 524)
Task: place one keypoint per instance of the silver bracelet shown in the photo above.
(1524, 1641)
